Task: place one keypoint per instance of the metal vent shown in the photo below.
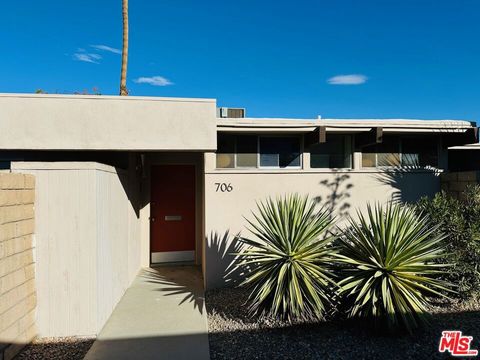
(225, 112)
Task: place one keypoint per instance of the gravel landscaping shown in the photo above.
(66, 348)
(233, 334)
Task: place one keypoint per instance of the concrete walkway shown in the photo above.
(161, 316)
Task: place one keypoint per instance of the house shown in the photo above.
(129, 182)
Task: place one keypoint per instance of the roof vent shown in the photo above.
(226, 112)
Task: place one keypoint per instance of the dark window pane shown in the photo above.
(225, 151)
(388, 152)
(269, 154)
(289, 152)
(280, 152)
(246, 151)
(332, 154)
(419, 152)
(369, 156)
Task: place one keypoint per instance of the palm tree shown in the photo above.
(123, 74)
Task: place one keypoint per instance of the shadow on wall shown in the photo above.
(220, 249)
(131, 180)
(220, 254)
(338, 194)
(172, 281)
(410, 183)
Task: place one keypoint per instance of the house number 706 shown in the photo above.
(223, 187)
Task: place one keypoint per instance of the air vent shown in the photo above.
(225, 112)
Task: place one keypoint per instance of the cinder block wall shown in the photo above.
(17, 269)
(455, 183)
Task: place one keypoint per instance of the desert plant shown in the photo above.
(459, 219)
(388, 269)
(288, 258)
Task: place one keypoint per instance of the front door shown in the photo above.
(172, 213)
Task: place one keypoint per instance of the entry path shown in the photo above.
(161, 316)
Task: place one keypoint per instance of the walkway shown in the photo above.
(161, 316)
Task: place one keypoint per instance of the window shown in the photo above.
(279, 151)
(252, 151)
(388, 152)
(335, 153)
(419, 153)
(405, 151)
(247, 151)
(226, 151)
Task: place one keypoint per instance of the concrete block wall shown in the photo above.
(17, 268)
(455, 183)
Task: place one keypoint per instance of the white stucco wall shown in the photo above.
(87, 250)
(343, 192)
(78, 122)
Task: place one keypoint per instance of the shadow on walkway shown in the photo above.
(161, 316)
(185, 283)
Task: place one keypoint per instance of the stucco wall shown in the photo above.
(77, 122)
(342, 192)
(87, 253)
(17, 275)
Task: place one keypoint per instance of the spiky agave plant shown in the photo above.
(289, 259)
(390, 266)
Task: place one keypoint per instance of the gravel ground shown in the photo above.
(233, 334)
(66, 348)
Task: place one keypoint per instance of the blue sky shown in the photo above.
(409, 58)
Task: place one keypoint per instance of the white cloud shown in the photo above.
(106, 48)
(351, 79)
(154, 80)
(86, 57)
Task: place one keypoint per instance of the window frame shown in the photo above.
(348, 147)
(235, 154)
(300, 149)
(400, 152)
(259, 167)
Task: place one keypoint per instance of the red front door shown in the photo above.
(172, 213)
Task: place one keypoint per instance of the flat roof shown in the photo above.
(354, 125)
(104, 97)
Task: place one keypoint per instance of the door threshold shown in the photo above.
(177, 263)
(172, 256)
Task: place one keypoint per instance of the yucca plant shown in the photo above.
(288, 258)
(390, 266)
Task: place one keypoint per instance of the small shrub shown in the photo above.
(460, 221)
(289, 259)
(388, 270)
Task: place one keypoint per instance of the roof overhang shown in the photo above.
(367, 131)
(78, 122)
(475, 146)
(342, 125)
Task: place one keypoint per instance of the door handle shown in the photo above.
(152, 219)
(173, 218)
